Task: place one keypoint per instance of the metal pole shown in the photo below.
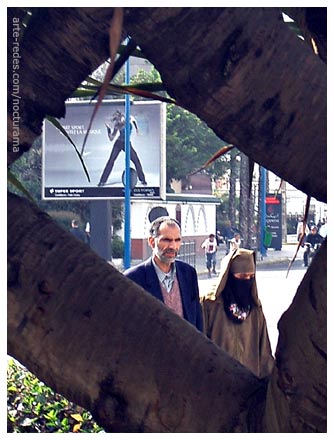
(263, 180)
(127, 189)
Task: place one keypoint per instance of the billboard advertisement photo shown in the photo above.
(103, 154)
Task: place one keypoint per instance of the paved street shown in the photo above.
(276, 291)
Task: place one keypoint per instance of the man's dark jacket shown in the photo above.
(145, 275)
(314, 239)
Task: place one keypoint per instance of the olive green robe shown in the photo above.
(247, 342)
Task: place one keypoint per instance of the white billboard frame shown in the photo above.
(63, 176)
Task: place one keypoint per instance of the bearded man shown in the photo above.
(171, 281)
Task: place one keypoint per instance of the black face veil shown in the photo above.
(237, 297)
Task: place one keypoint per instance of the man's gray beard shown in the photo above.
(162, 258)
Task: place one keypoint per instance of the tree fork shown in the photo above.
(239, 75)
(150, 372)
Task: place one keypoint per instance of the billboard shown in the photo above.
(63, 175)
(274, 221)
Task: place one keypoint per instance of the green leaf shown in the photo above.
(65, 424)
(12, 388)
(150, 86)
(37, 409)
(18, 185)
(143, 90)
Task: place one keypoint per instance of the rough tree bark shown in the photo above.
(246, 214)
(313, 24)
(60, 49)
(105, 343)
(298, 385)
(250, 78)
(80, 325)
(233, 192)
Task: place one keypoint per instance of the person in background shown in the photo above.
(299, 230)
(322, 228)
(228, 231)
(219, 238)
(312, 239)
(172, 281)
(210, 247)
(235, 242)
(87, 232)
(233, 316)
(76, 231)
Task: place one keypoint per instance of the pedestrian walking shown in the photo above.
(76, 231)
(210, 247)
(235, 242)
(233, 316)
(172, 281)
(312, 241)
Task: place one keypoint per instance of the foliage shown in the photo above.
(32, 407)
(189, 141)
(117, 214)
(28, 170)
(222, 213)
(143, 76)
(117, 247)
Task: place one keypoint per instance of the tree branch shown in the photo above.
(103, 342)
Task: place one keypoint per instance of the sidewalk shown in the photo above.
(284, 255)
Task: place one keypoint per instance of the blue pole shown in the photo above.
(127, 189)
(263, 180)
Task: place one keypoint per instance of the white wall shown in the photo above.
(197, 219)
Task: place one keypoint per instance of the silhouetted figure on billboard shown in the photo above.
(118, 123)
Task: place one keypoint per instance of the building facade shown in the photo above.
(196, 214)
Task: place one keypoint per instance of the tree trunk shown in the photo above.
(245, 220)
(103, 342)
(232, 192)
(299, 382)
(247, 79)
(51, 65)
(90, 333)
(251, 219)
(313, 25)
